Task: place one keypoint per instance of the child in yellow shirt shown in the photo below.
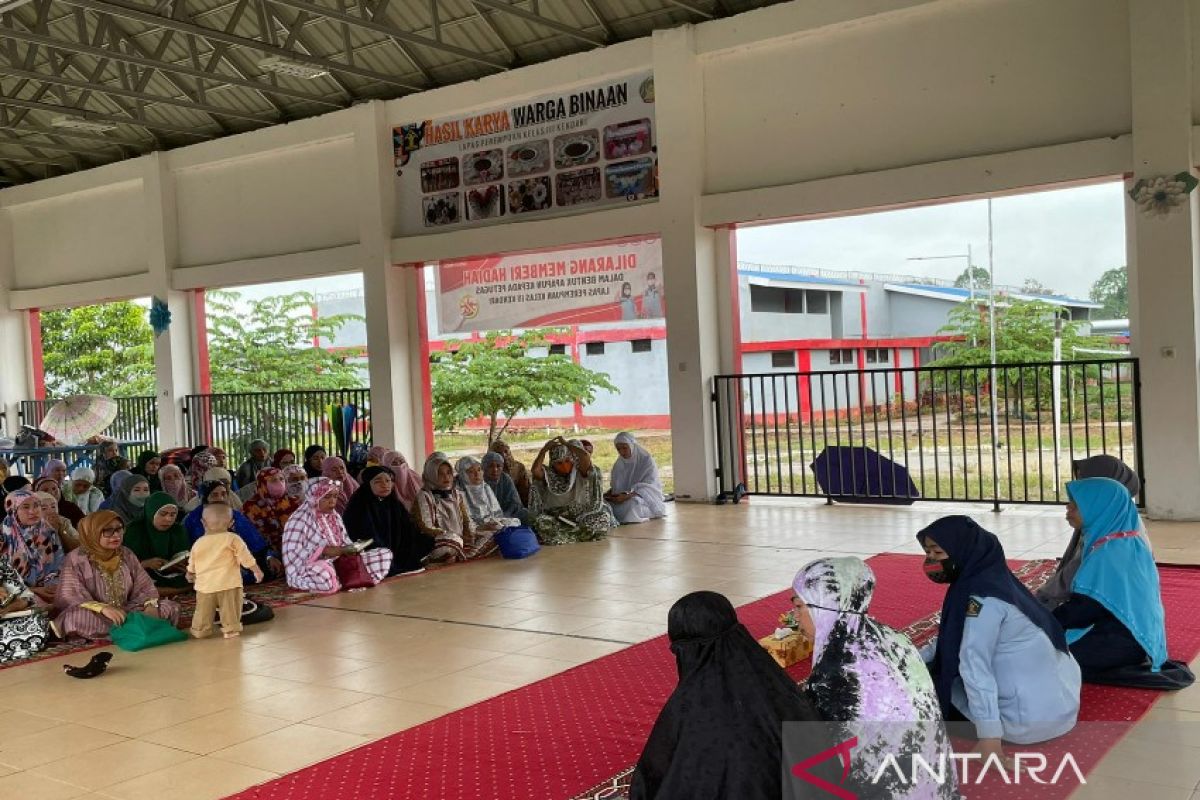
(214, 566)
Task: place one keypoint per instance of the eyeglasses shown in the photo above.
(112, 530)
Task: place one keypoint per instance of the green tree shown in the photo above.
(102, 349)
(978, 275)
(494, 378)
(1112, 289)
(1034, 286)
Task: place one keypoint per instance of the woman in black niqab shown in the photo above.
(719, 736)
(380, 515)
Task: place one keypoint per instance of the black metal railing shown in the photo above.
(290, 420)
(935, 423)
(137, 418)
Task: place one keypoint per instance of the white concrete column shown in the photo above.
(175, 363)
(1163, 261)
(392, 342)
(689, 262)
(16, 379)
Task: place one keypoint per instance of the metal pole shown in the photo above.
(1056, 384)
(970, 274)
(992, 369)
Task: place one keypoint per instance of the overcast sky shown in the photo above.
(1064, 238)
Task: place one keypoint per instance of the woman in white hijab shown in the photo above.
(636, 494)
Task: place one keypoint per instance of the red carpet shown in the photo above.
(583, 728)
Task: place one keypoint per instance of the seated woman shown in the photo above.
(407, 480)
(482, 504)
(636, 494)
(516, 470)
(156, 537)
(62, 526)
(297, 482)
(314, 458)
(1114, 617)
(1000, 660)
(202, 461)
(82, 490)
(55, 468)
(66, 509)
(441, 512)
(247, 473)
(375, 512)
(503, 488)
(221, 475)
(719, 735)
(283, 458)
(102, 581)
(267, 557)
(108, 461)
(23, 630)
(175, 484)
(31, 546)
(1057, 590)
(270, 506)
(866, 677)
(566, 500)
(335, 469)
(315, 535)
(148, 465)
(129, 496)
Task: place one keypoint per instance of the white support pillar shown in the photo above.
(16, 380)
(175, 361)
(389, 291)
(689, 262)
(1163, 261)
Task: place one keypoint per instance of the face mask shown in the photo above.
(296, 489)
(138, 500)
(276, 490)
(941, 571)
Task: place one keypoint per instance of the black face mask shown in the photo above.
(945, 571)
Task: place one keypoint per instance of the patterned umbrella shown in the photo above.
(78, 418)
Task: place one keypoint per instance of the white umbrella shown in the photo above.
(76, 419)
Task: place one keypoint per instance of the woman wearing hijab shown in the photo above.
(158, 536)
(1000, 660)
(567, 498)
(267, 557)
(82, 490)
(270, 506)
(335, 469)
(248, 471)
(503, 488)
(375, 456)
(130, 497)
(108, 462)
(22, 632)
(375, 512)
(314, 457)
(66, 509)
(283, 458)
(102, 582)
(441, 512)
(31, 545)
(636, 494)
(407, 480)
(297, 482)
(1057, 590)
(315, 535)
(148, 465)
(175, 484)
(516, 470)
(482, 504)
(221, 475)
(55, 468)
(1114, 616)
(868, 679)
(719, 735)
(67, 534)
(202, 462)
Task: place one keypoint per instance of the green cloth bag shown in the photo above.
(141, 631)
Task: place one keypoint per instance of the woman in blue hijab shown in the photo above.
(1114, 617)
(1000, 660)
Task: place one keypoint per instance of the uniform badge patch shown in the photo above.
(974, 607)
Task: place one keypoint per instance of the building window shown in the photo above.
(776, 300)
(558, 349)
(783, 359)
(841, 357)
(641, 345)
(595, 348)
(878, 355)
(816, 302)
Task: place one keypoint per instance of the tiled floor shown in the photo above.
(205, 719)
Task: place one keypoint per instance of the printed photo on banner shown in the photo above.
(601, 283)
(530, 158)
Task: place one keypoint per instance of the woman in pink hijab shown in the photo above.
(408, 481)
(335, 469)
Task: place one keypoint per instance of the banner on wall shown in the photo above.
(566, 152)
(607, 282)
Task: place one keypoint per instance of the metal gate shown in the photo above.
(1003, 433)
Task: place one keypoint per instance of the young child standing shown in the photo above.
(215, 564)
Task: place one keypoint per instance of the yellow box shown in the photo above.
(789, 650)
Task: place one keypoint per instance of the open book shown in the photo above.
(362, 545)
(569, 523)
(175, 560)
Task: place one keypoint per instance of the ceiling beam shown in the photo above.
(66, 133)
(538, 19)
(700, 12)
(21, 141)
(97, 116)
(154, 20)
(590, 5)
(182, 69)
